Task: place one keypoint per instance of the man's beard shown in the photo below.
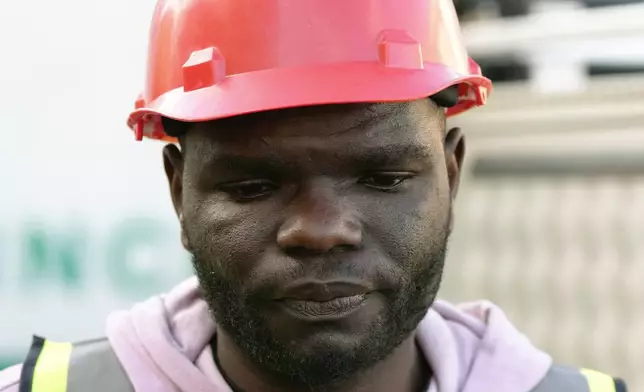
(245, 323)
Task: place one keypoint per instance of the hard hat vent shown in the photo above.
(398, 49)
(140, 102)
(204, 68)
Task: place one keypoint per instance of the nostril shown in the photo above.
(345, 248)
(300, 251)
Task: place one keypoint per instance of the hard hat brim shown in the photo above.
(283, 88)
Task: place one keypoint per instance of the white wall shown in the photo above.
(69, 167)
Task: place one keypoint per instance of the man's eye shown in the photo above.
(385, 181)
(249, 190)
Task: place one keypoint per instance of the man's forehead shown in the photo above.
(374, 125)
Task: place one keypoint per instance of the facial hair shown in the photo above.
(243, 319)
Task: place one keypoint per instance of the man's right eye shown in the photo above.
(249, 190)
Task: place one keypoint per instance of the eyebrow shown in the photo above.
(390, 155)
(377, 157)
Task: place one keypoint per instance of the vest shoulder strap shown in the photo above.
(73, 367)
(568, 379)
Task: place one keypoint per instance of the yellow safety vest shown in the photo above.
(93, 366)
(88, 366)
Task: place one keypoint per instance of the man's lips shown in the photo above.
(324, 301)
(336, 307)
(320, 291)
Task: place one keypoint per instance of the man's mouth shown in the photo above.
(324, 301)
(336, 307)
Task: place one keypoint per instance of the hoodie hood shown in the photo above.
(163, 345)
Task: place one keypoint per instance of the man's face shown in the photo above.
(318, 234)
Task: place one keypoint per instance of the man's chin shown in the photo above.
(321, 358)
(329, 343)
(316, 353)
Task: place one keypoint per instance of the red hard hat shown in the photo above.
(211, 59)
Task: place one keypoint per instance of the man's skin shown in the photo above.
(275, 206)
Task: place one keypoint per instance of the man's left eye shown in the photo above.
(385, 181)
(249, 190)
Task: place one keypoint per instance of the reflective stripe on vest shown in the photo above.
(79, 367)
(568, 379)
(93, 366)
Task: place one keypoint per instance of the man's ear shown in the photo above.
(173, 165)
(454, 155)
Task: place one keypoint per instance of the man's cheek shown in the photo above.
(238, 259)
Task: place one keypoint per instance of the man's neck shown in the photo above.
(405, 370)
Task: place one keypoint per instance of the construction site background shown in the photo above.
(550, 219)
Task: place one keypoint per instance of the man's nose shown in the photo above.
(319, 221)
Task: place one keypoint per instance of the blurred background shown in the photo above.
(550, 217)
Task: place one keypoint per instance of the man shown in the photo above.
(314, 185)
